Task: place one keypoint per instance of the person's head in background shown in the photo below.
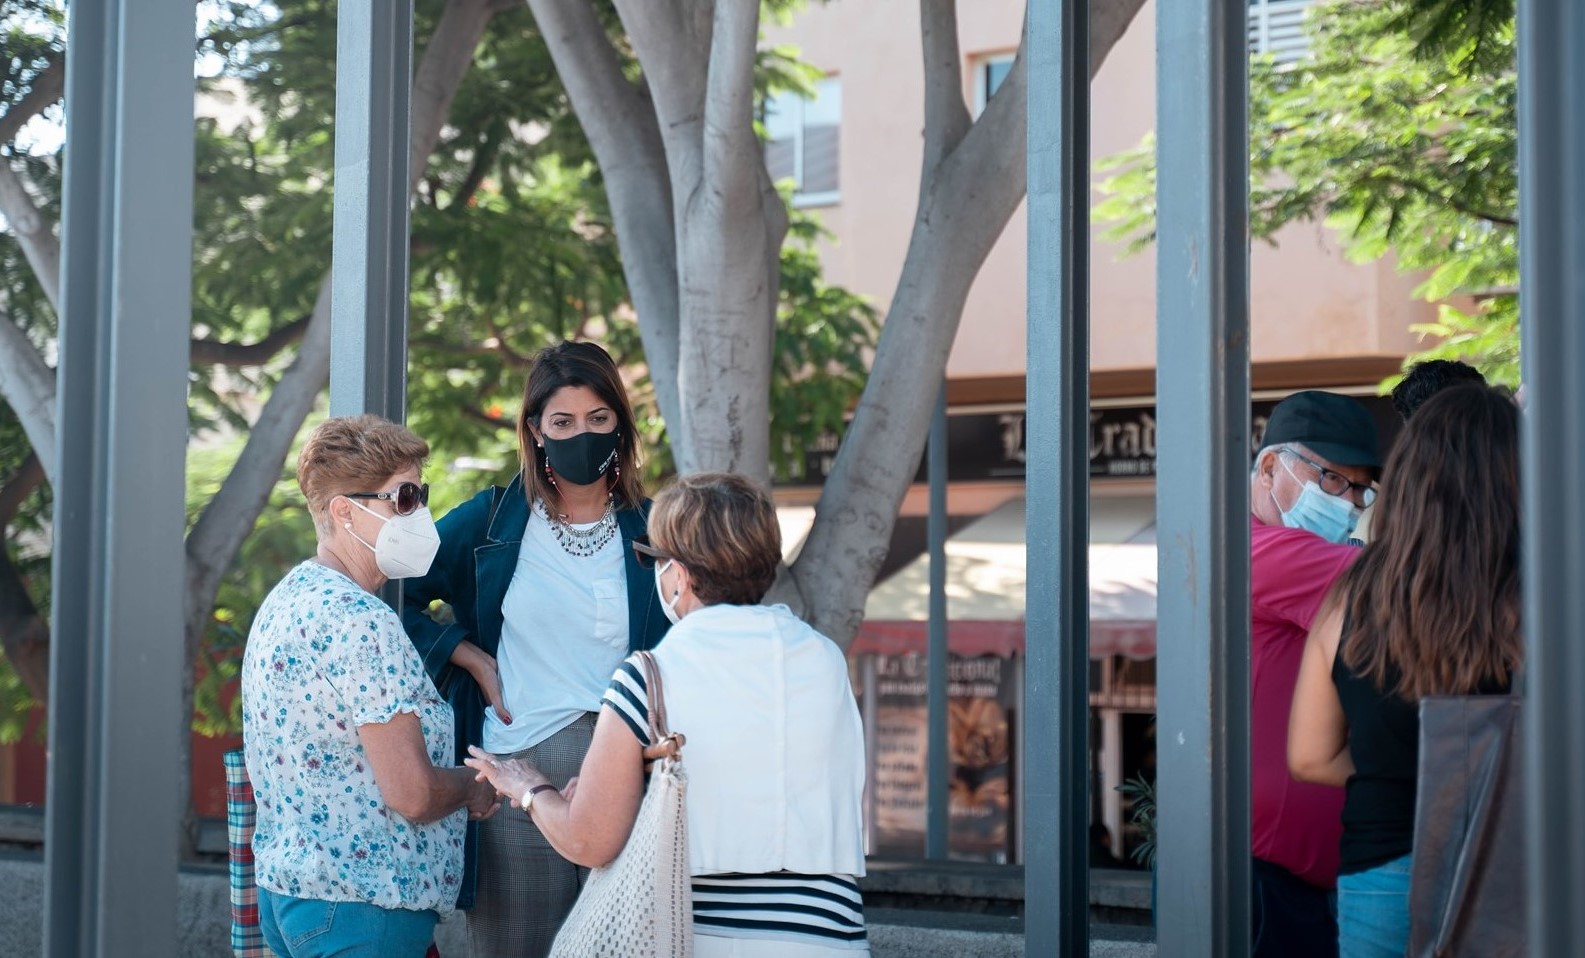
(1426, 379)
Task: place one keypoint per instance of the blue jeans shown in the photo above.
(305, 928)
(1373, 911)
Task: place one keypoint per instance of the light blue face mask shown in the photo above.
(1333, 518)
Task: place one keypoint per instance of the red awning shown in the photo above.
(1135, 639)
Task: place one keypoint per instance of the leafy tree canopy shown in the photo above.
(512, 249)
(1404, 140)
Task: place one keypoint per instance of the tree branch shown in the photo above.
(27, 384)
(732, 154)
(484, 155)
(446, 60)
(48, 87)
(209, 352)
(964, 205)
(23, 632)
(21, 485)
(39, 243)
(946, 115)
(673, 40)
(621, 124)
(489, 420)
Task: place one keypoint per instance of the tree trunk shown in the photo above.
(966, 198)
(618, 118)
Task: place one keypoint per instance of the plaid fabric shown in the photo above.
(247, 941)
(525, 888)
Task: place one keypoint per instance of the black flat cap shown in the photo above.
(1337, 428)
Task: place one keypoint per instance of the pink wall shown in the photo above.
(1307, 300)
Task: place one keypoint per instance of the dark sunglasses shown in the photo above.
(409, 496)
(647, 554)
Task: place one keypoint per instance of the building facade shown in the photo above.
(1317, 320)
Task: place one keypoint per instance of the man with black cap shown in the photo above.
(1311, 479)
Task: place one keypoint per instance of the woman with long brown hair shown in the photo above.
(546, 599)
(1431, 607)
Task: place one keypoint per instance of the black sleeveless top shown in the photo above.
(1384, 741)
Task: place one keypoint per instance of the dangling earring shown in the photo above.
(616, 468)
(549, 476)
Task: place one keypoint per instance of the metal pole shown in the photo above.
(117, 647)
(1057, 486)
(1202, 493)
(1552, 249)
(938, 767)
(368, 292)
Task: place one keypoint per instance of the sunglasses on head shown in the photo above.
(409, 496)
(647, 554)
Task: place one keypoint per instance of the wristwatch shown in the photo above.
(527, 800)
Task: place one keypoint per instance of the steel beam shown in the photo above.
(368, 293)
(1202, 485)
(116, 653)
(1552, 281)
(1056, 718)
(938, 762)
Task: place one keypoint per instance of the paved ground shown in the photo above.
(204, 930)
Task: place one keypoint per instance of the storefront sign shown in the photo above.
(979, 743)
(990, 446)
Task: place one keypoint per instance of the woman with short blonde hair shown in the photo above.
(358, 847)
(774, 753)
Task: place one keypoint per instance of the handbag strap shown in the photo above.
(664, 743)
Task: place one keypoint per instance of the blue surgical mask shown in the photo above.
(1331, 517)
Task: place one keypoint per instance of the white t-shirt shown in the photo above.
(564, 631)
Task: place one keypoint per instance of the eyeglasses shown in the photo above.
(409, 497)
(1335, 483)
(647, 554)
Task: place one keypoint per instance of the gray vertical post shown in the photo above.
(938, 766)
(368, 293)
(116, 653)
(1057, 522)
(1202, 486)
(1552, 283)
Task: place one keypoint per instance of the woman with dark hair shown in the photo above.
(1431, 607)
(546, 598)
(774, 751)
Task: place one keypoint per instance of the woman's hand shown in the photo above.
(482, 800)
(510, 777)
(487, 673)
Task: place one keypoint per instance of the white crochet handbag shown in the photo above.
(641, 905)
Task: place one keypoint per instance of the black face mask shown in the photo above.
(584, 458)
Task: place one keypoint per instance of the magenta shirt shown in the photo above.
(1296, 825)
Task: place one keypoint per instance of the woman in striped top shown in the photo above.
(774, 753)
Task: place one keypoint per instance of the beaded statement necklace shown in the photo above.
(581, 543)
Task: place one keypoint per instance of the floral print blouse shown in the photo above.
(324, 657)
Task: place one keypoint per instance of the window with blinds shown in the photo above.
(803, 143)
(1277, 27)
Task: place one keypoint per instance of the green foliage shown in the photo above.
(1403, 145)
(824, 335)
(512, 250)
(1141, 792)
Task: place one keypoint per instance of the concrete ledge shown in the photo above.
(204, 923)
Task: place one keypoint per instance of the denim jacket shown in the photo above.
(479, 542)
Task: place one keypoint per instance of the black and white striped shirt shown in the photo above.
(828, 909)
